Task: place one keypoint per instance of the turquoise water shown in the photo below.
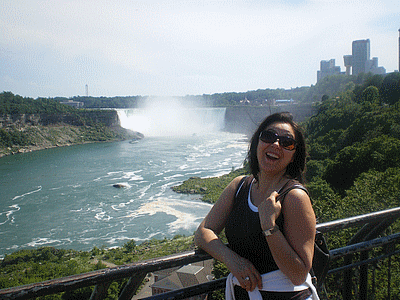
(64, 197)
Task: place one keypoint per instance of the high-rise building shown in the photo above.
(361, 54)
(360, 61)
(327, 68)
(399, 50)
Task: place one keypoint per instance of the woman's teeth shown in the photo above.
(272, 155)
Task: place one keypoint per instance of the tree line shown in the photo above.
(331, 86)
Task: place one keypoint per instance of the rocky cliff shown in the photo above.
(20, 133)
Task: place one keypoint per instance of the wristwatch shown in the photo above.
(271, 231)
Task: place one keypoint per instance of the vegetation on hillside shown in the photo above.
(30, 124)
(45, 263)
(15, 104)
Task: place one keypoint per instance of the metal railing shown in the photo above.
(364, 240)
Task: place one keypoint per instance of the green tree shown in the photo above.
(378, 154)
(390, 89)
(370, 98)
(130, 246)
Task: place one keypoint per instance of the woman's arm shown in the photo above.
(293, 252)
(206, 237)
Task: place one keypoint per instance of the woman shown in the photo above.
(271, 240)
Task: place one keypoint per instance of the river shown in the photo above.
(64, 197)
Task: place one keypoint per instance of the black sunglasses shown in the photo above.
(268, 136)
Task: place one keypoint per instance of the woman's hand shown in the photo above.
(269, 210)
(245, 272)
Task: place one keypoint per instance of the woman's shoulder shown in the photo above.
(293, 190)
(296, 196)
(239, 182)
(293, 184)
(242, 180)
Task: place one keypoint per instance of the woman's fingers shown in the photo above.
(245, 273)
(269, 210)
(249, 283)
(249, 277)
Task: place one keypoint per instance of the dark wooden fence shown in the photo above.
(368, 237)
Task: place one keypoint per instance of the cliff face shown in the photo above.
(20, 133)
(106, 117)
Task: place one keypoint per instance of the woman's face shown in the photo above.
(272, 157)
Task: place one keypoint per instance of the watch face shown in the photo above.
(271, 231)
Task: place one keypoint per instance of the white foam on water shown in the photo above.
(8, 214)
(167, 178)
(102, 216)
(43, 241)
(184, 220)
(28, 193)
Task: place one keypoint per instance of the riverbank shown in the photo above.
(40, 137)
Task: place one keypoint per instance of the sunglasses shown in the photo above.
(270, 137)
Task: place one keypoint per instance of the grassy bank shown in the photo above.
(209, 188)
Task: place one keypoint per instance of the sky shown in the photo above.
(51, 48)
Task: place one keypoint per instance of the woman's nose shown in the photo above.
(276, 142)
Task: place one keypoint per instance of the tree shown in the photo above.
(378, 154)
(130, 246)
(370, 98)
(390, 89)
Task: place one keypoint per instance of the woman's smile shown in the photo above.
(273, 155)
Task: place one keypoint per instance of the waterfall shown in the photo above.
(172, 121)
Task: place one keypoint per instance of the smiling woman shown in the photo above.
(271, 238)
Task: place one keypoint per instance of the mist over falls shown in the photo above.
(172, 120)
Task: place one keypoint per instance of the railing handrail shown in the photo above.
(359, 220)
(124, 271)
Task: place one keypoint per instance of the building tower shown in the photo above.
(361, 55)
(399, 50)
(86, 90)
(327, 68)
(348, 62)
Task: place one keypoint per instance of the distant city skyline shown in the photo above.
(358, 62)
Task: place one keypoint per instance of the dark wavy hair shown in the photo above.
(296, 168)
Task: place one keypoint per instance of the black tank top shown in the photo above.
(244, 233)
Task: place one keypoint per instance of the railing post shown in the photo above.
(132, 285)
(373, 278)
(363, 291)
(389, 274)
(100, 291)
(347, 278)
